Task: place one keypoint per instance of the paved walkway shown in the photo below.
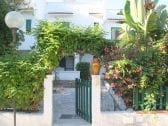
(64, 108)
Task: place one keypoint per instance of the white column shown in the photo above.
(48, 100)
(96, 83)
(76, 60)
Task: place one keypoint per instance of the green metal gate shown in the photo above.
(83, 99)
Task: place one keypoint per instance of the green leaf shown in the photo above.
(127, 14)
(150, 23)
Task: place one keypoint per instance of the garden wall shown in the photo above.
(121, 118)
(34, 119)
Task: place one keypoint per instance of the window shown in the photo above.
(28, 25)
(68, 63)
(115, 32)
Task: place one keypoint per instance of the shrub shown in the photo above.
(22, 80)
(84, 68)
(122, 76)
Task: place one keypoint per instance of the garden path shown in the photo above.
(64, 108)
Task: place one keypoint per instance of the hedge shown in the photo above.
(21, 79)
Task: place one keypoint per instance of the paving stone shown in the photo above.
(64, 104)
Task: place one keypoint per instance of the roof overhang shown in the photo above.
(60, 13)
(96, 14)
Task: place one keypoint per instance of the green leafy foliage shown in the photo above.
(84, 68)
(5, 36)
(54, 41)
(21, 78)
(143, 21)
(150, 102)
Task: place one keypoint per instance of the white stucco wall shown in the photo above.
(28, 43)
(87, 58)
(29, 39)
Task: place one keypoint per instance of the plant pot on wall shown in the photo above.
(95, 66)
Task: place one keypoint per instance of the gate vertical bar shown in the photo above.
(90, 102)
(84, 117)
(135, 99)
(161, 98)
(82, 98)
(166, 98)
(76, 97)
(87, 86)
(142, 99)
(79, 98)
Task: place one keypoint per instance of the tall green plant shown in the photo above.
(142, 19)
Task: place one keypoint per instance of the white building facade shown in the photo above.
(74, 12)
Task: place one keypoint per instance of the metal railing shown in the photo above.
(161, 99)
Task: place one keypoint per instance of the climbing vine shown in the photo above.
(55, 40)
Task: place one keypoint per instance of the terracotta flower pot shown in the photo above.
(95, 66)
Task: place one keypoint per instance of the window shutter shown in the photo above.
(28, 25)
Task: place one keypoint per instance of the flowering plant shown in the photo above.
(121, 73)
(122, 76)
